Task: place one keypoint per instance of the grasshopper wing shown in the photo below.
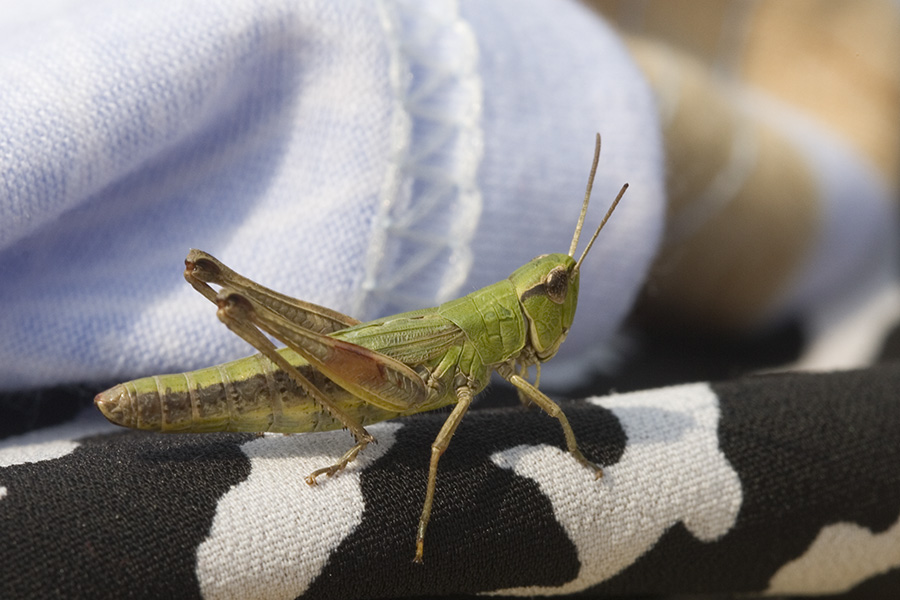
(375, 377)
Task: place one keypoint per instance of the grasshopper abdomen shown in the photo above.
(246, 395)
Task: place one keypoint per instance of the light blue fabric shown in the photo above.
(369, 156)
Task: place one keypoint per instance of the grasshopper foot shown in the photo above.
(598, 472)
(329, 471)
(340, 465)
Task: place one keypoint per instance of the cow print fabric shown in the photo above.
(775, 483)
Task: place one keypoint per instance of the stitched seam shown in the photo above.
(429, 202)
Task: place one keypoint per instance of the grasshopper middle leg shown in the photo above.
(464, 396)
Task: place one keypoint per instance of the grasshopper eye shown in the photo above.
(557, 284)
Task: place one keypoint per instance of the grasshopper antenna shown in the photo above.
(587, 199)
(602, 223)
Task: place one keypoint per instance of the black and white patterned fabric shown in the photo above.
(777, 484)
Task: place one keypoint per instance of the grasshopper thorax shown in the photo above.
(547, 288)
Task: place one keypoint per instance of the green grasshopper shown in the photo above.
(337, 372)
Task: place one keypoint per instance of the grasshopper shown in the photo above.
(336, 372)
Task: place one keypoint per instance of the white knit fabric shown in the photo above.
(368, 156)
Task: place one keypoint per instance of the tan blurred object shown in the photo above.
(741, 203)
(744, 203)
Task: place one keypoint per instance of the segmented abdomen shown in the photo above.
(250, 394)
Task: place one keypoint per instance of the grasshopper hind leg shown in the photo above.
(340, 465)
(236, 311)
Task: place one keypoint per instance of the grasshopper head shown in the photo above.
(548, 293)
(547, 287)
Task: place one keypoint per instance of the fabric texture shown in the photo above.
(734, 365)
(778, 484)
(358, 156)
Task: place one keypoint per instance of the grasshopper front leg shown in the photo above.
(441, 442)
(551, 408)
